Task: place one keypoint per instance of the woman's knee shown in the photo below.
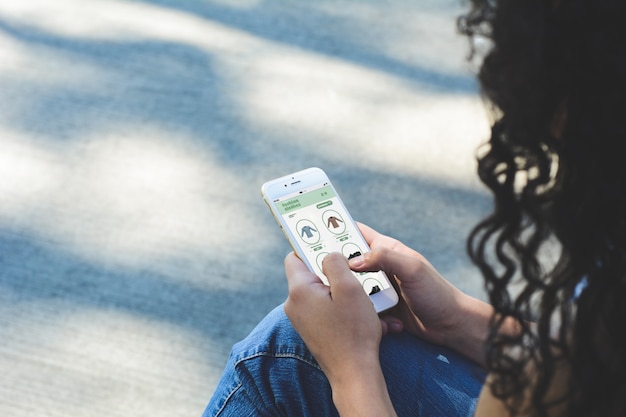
(272, 371)
(274, 335)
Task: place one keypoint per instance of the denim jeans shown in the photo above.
(272, 373)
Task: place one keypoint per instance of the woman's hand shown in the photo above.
(430, 307)
(337, 322)
(340, 327)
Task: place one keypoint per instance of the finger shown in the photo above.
(340, 276)
(298, 273)
(384, 327)
(377, 240)
(391, 324)
(404, 267)
(368, 233)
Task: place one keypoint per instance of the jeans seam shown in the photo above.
(227, 399)
(239, 361)
(279, 355)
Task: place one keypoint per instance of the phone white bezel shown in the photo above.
(300, 182)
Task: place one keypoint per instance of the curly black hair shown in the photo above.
(553, 252)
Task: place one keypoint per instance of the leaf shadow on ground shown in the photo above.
(188, 98)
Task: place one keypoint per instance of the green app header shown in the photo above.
(318, 196)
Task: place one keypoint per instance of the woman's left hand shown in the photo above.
(338, 322)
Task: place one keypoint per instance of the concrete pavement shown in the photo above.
(134, 137)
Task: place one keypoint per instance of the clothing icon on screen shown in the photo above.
(372, 286)
(334, 222)
(307, 231)
(350, 250)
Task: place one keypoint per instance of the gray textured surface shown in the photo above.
(134, 137)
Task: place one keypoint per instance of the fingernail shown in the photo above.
(356, 262)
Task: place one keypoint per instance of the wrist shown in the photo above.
(362, 392)
(469, 333)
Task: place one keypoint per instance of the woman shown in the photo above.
(555, 75)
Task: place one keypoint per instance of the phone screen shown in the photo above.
(320, 225)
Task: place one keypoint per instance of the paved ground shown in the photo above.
(134, 137)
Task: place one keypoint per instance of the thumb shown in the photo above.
(341, 279)
(297, 272)
(406, 268)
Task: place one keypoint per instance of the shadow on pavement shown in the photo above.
(137, 161)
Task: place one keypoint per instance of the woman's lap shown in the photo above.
(272, 373)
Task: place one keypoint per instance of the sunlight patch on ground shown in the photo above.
(114, 356)
(134, 137)
(119, 20)
(120, 198)
(373, 117)
(427, 39)
(368, 116)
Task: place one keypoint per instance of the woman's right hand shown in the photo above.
(429, 307)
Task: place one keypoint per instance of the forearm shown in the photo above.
(363, 393)
(472, 327)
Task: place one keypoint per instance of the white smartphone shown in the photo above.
(315, 221)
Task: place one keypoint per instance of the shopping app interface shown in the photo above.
(320, 224)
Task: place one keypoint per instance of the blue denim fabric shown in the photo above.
(272, 373)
